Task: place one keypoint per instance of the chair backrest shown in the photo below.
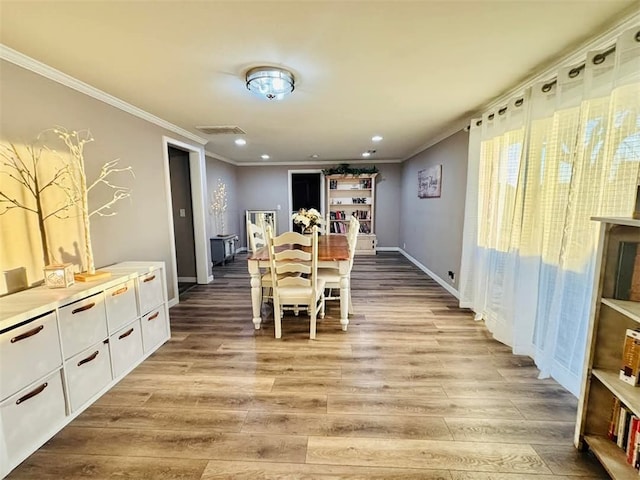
(352, 238)
(257, 237)
(290, 254)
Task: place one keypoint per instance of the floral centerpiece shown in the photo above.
(307, 219)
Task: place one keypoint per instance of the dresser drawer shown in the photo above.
(155, 328)
(126, 348)
(29, 352)
(150, 291)
(87, 373)
(82, 324)
(120, 303)
(32, 416)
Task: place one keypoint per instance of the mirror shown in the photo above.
(256, 221)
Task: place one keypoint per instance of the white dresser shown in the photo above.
(61, 349)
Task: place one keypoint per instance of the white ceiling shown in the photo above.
(408, 71)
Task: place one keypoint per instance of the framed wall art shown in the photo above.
(430, 182)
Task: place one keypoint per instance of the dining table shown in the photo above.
(333, 252)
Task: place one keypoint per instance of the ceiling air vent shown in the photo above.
(222, 130)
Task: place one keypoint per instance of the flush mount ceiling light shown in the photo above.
(265, 156)
(270, 82)
(240, 141)
(377, 138)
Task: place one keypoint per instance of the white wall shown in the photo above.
(227, 173)
(140, 230)
(264, 188)
(428, 229)
(431, 228)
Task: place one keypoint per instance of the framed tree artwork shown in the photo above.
(430, 182)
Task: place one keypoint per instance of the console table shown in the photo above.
(223, 248)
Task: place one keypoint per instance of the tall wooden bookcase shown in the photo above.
(610, 318)
(353, 195)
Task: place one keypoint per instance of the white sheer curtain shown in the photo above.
(539, 168)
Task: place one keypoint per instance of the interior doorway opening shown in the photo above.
(197, 188)
(181, 201)
(306, 190)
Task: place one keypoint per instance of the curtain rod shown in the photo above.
(573, 73)
(627, 21)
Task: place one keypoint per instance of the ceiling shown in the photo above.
(409, 71)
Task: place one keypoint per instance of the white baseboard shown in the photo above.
(210, 278)
(173, 301)
(387, 249)
(188, 279)
(440, 281)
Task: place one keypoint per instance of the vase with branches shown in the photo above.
(219, 206)
(79, 188)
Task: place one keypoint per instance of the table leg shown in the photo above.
(344, 294)
(256, 293)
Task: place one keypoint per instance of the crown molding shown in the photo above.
(629, 19)
(453, 128)
(316, 163)
(220, 157)
(607, 37)
(28, 63)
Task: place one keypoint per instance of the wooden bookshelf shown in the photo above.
(612, 458)
(349, 195)
(627, 394)
(610, 319)
(625, 307)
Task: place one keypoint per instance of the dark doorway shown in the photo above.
(180, 176)
(305, 192)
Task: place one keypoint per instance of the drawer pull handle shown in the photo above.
(120, 291)
(153, 317)
(28, 334)
(89, 358)
(83, 308)
(32, 393)
(148, 279)
(126, 334)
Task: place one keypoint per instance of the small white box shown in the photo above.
(59, 275)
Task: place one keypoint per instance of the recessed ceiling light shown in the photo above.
(366, 154)
(376, 138)
(240, 141)
(315, 155)
(264, 156)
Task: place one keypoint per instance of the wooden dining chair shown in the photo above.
(331, 276)
(257, 240)
(256, 236)
(294, 276)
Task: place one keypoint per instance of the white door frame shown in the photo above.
(198, 199)
(289, 175)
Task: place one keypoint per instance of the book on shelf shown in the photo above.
(630, 447)
(624, 430)
(627, 285)
(630, 370)
(615, 418)
(623, 426)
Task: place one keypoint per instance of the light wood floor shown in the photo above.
(414, 390)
